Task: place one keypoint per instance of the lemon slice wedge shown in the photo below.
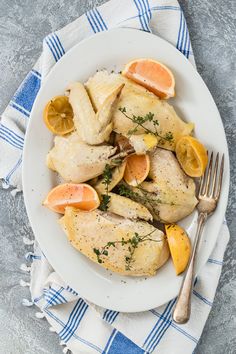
(192, 156)
(58, 115)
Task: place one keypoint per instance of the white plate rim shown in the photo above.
(139, 307)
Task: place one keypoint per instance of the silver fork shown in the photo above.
(208, 196)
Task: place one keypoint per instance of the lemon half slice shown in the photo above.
(192, 156)
(58, 115)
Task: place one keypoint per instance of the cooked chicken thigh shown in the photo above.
(76, 161)
(117, 174)
(131, 248)
(170, 196)
(93, 128)
(137, 101)
(128, 208)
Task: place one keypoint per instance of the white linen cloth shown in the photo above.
(84, 327)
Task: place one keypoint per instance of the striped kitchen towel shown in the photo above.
(82, 326)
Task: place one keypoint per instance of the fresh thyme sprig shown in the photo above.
(132, 243)
(141, 120)
(104, 202)
(143, 197)
(126, 192)
(107, 176)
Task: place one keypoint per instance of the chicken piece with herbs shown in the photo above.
(138, 110)
(121, 245)
(76, 161)
(170, 195)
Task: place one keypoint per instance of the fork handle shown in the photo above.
(181, 312)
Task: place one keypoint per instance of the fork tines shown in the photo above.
(211, 182)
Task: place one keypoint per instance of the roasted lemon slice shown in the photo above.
(81, 196)
(153, 75)
(136, 169)
(192, 156)
(180, 247)
(58, 115)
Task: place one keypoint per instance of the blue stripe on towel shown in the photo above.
(141, 20)
(100, 19)
(109, 342)
(15, 137)
(149, 9)
(156, 325)
(59, 44)
(154, 8)
(9, 141)
(189, 44)
(24, 97)
(144, 13)
(78, 306)
(178, 328)
(54, 297)
(31, 256)
(162, 328)
(19, 109)
(93, 22)
(208, 302)
(113, 317)
(166, 7)
(180, 30)
(183, 41)
(56, 45)
(17, 165)
(110, 316)
(147, 12)
(215, 261)
(52, 48)
(89, 344)
(10, 137)
(74, 320)
(72, 291)
(37, 299)
(51, 292)
(122, 345)
(36, 73)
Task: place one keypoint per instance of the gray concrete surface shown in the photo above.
(23, 25)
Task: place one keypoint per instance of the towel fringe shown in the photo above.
(25, 268)
(28, 241)
(27, 303)
(5, 185)
(28, 256)
(51, 329)
(14, 192)
(24, 283)
(40, 315)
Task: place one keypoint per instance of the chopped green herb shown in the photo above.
(116, 161)
(141, 196)
(105, 202)
(133, 243)
(107, 176)
(141, 120)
